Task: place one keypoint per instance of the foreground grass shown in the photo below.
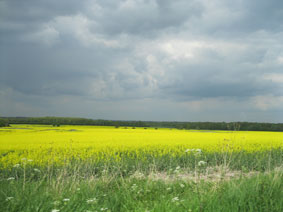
(245, 192)
(197, 181)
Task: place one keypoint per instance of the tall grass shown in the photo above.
(243, 161)
(221, 182)
(258, 192)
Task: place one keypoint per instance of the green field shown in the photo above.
(87, 168)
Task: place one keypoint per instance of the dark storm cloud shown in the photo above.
(185, 53)
(49, 71)
(143, 17)
(227, 19)
(30, 11)
(264, 15)
(205, 81)
(23, 16)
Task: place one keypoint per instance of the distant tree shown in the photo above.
(3, 123)
(57, 121)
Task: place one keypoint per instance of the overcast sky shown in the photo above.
(181, 60)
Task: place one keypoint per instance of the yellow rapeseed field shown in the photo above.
(46, 144)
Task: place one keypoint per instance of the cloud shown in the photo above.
(142, 18)
(274, 77)
(78, 26)
(149, 57)
(47, 35)
(265, 103)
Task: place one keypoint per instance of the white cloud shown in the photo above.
(128, 4)
(280, 60)
(47, 35)
(180, 49)
(267, 102)
(195, 50)
(274, 77)
(79, 26)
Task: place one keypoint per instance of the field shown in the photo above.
(88, 168)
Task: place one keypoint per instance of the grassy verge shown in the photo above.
(258, 191)
(196, 181)
(130, 162)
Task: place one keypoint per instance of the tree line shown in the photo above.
(57, 121)
(4, 123)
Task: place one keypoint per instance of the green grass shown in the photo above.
(258, 192)
(227, 182)
(240, 161)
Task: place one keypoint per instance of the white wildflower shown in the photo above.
(175, 199)
(134, 186)
(93, 200)
(138, 175)
(201, 163)
(56, 202)
(55, 210)
(10, 178)
(36, 170)
(189, 150)
(196, 151)
(177, 169)
(16, 165)
(9, 198)
(66, 200)
(182, 185)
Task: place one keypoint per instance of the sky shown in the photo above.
(159, 60)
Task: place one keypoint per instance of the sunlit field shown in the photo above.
(95, 168)
(42, 145)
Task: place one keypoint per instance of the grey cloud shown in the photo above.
(20, 18)
(119, 56)
(237, 19)
(196, 82)
(38, 11)
(34, 70)
(264, 15)
(143, 17)
(70, 70)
